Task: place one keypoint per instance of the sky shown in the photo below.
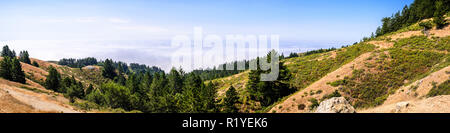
(141, 30)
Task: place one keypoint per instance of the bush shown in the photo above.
(35, 64)
(334, 94)
(301, 106)
(439, 21)
(337, 83)
(442, 89)
(314, 103)
(427, 25)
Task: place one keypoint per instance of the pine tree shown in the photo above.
(108, 69)
(11, 69)
(5, 68)
(230, 100)
(53, 79)
(175, 81)
(209, 95)
(18, 74)
(268, 92)
(24, 57)
(439, 19)
(6, 52)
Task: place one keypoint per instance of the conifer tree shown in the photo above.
(230, 100)
(53, 79)
(6, 52)
(5, 68)
(108, 69)
(24, 57)
(18, 74)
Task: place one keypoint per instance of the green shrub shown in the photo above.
(334, 94)
(314, 103)
(427, 25)
(307, 69)
(442, 89)
(371, 89)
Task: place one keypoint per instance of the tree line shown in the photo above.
(418, 10)
(10, 67)
(78, 63)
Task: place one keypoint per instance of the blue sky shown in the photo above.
(146, 24)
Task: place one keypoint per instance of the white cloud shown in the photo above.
(53, 20)
(147, 29)
(86, 20)
(118, 20)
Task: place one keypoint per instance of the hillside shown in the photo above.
(404, 66)
(32, 97)
(372, 73)
(374, 78)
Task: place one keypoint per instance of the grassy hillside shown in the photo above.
(396, 59)
(401, 58)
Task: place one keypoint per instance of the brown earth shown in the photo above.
(438, 104)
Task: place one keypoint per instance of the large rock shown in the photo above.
(401, 106)
(335, 105)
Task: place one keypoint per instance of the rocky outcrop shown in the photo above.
(335, 105)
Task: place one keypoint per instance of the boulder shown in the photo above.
(401, 106)
(335, 105)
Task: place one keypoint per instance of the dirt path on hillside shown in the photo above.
(290, 105)
(39, 101)
(438, 104)
(382, 44)
(9, 104)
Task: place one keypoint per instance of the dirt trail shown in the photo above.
(39, 101)
(9, 104)
(438, 104)
(382, 44)
(290, 105)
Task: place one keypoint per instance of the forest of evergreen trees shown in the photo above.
(418, 10)
(152, 90)
(220, 71)
(78, 63)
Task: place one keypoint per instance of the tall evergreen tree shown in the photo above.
(5, 68)
(268, 92)
(108, 69)
(230, 101)
(175, 81)
(209, 95)
(438, 18)
(53, 79)
(18, 74)
(6, 52)
(24, 57)
(11, 69)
